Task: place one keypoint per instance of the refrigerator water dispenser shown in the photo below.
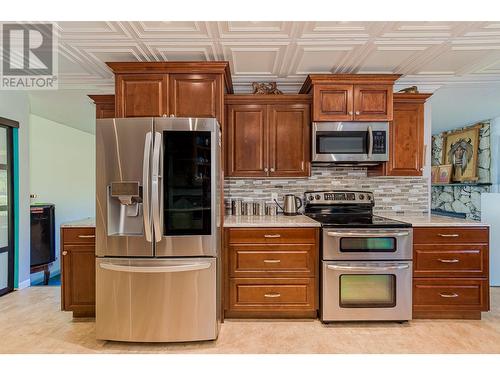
(125, 213)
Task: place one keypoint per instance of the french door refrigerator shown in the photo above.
(157, 229)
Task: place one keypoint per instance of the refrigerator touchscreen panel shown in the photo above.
(187, 186)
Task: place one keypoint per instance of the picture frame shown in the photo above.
(434, 173)
(444, 174)
(461, 151)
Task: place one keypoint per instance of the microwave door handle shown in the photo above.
(155, 190)
(361, 268)
(145, 187)
(370, 142)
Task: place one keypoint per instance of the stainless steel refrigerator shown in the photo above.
(157, 229)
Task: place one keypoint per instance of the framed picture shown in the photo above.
(434, 173)
(460, 150)
(444, 174)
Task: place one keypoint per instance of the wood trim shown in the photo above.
(103, 99)
(410, 98)
(313, 79)
(165, 67)
(268, 99)
(470, 315)
(10, 123)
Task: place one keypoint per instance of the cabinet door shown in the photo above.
(333, 103)
(196, 95)
(141, 95)
(289, 140)
(373, 102)
(78, 277)
(406, 145)
(246, 141)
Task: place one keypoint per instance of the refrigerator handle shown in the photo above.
(156, 269)
(145, 187)
(156, 186)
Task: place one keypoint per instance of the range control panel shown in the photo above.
(339, 197)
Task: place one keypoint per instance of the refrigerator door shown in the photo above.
(185, 187)
(156, 300)
(123, 193)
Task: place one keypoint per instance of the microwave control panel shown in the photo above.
(379, 142)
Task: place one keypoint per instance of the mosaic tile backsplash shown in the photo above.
(405, 195)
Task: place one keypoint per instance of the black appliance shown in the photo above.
(43, 243)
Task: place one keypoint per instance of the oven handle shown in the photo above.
(368, 234)
(361, 268)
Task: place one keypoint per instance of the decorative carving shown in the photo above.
(410, 90)
(265, 88)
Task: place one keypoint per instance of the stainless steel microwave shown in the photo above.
(350, 142)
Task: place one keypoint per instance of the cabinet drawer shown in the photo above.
(78, 236)
(451, 235)
(271, 294)
(272, 235)
(450, 260)
(450, 294)
(272, 260)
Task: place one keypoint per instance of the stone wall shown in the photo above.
(408, 195)
(463, 199)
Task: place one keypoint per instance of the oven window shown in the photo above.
(367, 291)
(368, 245)
(341, 142)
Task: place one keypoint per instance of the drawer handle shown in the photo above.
(272, 235)
(452, 295)
(447, 235)
(272, 295)
(64, 252)
(86, 236)
(449, 260)
(272, 260)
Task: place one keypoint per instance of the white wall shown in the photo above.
(15, 105)
(62, 171)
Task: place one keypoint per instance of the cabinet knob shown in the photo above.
(422, 169)
(164, 115)
(172, 115)
(272, 169)
(64, 252)
(358, 112)
(266, 170)
(350, 112)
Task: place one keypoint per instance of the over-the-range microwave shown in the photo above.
(350, 142)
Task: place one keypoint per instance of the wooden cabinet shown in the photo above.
(78, 270)
(181, 89)
(351, 97)
(267, 136)
(271, 272)
(104, 106)
(450, 270)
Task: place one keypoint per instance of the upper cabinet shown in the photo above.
(406, 132)
(104, 105)
(267, 135)
(181, 89)
(351, 97)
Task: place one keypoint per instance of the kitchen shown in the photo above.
(228, 220)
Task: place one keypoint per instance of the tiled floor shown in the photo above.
(31, 322)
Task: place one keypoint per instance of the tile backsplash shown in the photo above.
(406, 195)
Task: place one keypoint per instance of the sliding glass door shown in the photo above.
(6, 211)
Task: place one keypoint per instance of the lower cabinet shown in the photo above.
(271, 272)
(451, 272)
(78, 271)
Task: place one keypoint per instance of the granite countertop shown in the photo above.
(270, 221)
(434, 220)
(87, 222)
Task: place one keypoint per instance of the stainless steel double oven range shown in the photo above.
(157, 229)
(366, 261)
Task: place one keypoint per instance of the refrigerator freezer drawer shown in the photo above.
(156, 300)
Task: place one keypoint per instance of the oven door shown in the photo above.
(366, 291)
(367, 244)
(350, 142)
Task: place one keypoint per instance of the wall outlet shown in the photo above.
(274, 196)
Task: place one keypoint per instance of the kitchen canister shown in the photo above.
(247, 208)
(259, 208)
(236, 207)
(271, 209)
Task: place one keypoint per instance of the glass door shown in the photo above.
(6, 212)
(187, 184)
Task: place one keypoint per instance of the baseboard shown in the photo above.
(24, 284)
